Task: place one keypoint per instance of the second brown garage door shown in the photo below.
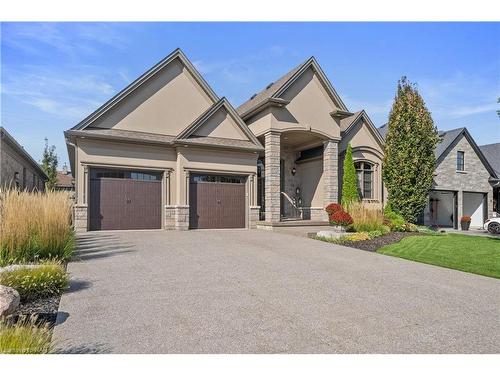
(124, 199)
(216, 202)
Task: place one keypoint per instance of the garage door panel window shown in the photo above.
(125, 174)
(219, 179)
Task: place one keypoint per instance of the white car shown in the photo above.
(492, 225)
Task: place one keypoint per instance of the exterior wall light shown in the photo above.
(294, 171)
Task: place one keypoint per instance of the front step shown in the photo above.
(290, 223)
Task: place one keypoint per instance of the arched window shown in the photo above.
(364, 174)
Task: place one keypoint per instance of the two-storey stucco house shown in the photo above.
(167, 152)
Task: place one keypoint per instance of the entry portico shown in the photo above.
(298, 120)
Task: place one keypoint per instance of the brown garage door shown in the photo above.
(216, 202)
(123, 199)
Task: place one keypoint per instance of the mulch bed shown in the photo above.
(376, 243)
(43, 310)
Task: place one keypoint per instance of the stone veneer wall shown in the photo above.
(272, 172)
(80, 218)
(254, 217)
(331, 172)
(181, 217)
(474, 178)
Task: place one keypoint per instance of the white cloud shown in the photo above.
(459, 95)
(65, 94)
(68, 38)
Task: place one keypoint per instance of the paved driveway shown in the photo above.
(263, 292)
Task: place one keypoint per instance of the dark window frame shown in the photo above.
(132, 174)
(461, 161)
(365, 169)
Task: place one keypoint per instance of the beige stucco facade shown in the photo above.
(366, 147)
(167, 104)
(170, 121)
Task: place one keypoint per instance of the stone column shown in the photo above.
(272, 172)
(460, 208)
(331, 172)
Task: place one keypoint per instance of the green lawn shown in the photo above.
(473, 254)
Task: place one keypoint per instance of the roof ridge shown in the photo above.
(271, 89)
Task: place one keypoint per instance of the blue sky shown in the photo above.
(55, 74)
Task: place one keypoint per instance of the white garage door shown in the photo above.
(473, 207)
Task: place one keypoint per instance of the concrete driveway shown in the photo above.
(240, 291)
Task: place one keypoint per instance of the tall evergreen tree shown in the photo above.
(409, 159)
(49, 164)
(350, 192)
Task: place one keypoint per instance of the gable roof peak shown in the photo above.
(205, 116)
(175, 54)
(275, 89)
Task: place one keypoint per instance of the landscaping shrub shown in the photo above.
(365, 218)
(333, 207)
(35, 226)
(47, 280)
(355, 237)
(385, 229)
(375, 234)
(24, 337)
(410, 227)
(395, 221)
(350, 193)
(341, 218)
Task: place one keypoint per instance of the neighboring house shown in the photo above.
(492, 154)
(462, 184)
(65, 180)
(167, 152)
(17, 168)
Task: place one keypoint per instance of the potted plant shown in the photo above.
(465, 222)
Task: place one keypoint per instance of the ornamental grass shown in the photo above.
(35, 226)
(24, 337)
(366, 218)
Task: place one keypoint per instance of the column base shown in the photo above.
(176, 217)
(80, 218)
(253, 217)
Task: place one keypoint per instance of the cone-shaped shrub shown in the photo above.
(350, 192)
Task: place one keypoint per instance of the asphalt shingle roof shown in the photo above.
(268, 92)
(492, 153)
(447, 138)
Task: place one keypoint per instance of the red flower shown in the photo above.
(332, 208)
(341, 218)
